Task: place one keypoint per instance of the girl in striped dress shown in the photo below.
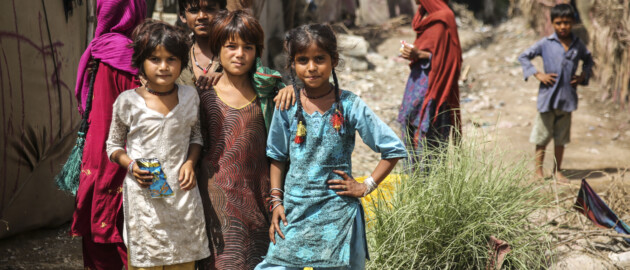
(234, 172)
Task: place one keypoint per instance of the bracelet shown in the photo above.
(274, 207)
(271, 190)
(130, 166)
(271, 200)
(371, 185)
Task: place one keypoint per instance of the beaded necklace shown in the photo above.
(157, 93)
(317, 97)
(205, 70)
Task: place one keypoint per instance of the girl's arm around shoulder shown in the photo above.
(374, 132)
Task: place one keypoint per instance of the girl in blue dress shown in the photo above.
(317, 215)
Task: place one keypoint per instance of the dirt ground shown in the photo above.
(498, 108)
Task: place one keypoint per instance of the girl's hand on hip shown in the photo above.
(285, 98)
(187, 177)
(348, 186)
(144, 178)
(278, 213)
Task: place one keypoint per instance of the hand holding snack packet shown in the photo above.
(158, 188)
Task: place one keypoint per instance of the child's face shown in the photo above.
(198, 18)
(237, 56)
(162, 68)
(562, 26)
(313, 66)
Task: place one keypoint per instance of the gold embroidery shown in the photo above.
(86, 172)
(103, 224)
(120, 189)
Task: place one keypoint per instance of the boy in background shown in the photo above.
(202, 70)
(557, 95)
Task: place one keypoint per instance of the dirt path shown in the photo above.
(497, 107)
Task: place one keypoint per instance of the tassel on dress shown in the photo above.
(68, 177)
(300, 134)
(337, 120)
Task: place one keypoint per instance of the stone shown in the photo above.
(620, 259)
(582, 261)
(353, 45)
(355, 63)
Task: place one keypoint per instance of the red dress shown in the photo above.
(234, 182)
(98, 216)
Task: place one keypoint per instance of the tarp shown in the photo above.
(595, 209)
(38, 112)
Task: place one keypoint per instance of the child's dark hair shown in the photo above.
(562, 10)
(183, 4)
(150, 34)
(228, 25)
(300, 39)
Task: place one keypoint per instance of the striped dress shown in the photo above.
(233, 180)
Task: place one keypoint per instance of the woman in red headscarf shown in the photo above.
(97, 217)
(430, 107)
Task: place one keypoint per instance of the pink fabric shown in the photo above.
(116, 20)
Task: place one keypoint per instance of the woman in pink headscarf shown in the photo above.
(97, 217)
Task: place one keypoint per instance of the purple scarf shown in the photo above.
(116, 20)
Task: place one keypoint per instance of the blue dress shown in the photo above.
(320, 222)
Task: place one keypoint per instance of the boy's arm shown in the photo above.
(587, 66)
(526, 56)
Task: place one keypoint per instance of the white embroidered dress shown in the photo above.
(160, 231)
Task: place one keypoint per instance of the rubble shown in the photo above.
(354, 50)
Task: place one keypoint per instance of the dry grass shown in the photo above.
(572, 231)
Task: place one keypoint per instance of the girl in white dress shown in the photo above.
(160, 120)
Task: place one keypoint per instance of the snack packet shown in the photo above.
(159, 187)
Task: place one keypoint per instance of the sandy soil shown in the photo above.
(498, 107)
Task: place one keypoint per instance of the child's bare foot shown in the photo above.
(539, 173)
(561, 178)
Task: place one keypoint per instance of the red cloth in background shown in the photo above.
(437, 33)
(99, 197)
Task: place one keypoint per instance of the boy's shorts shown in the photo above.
(554, 124)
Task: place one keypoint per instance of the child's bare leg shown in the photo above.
(540, 156)
(558, 152)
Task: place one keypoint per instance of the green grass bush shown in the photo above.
(442, 216)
